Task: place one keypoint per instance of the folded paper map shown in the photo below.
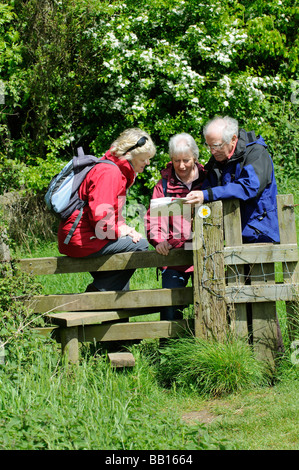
(166, 201)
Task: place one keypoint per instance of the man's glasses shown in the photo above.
(140, 143)
(215, 146)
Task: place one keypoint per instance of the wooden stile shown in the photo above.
(224, 299)
(119, 261)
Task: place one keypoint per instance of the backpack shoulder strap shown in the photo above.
(74, 226)
(107, 161)
(80, 152)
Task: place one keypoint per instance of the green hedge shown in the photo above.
(78, 73)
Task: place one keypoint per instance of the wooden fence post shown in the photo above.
(69, 343)
(209, 276)
(287, 230)
(264, 316)
(235, 274)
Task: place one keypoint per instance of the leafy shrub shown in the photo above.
(16, 288)
(28, 220)
(78, 73)
(211, 368)
(12, 174)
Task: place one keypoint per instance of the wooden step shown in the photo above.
(68, 319)
(93, 301)
(132, 330)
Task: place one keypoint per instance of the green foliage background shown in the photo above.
(78, 72)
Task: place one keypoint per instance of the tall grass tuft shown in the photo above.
(211, 368)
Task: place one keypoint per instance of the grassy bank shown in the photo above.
(45, 404)
(182, 397)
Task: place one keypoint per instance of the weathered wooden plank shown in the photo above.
(209, 275)
(259, 253)
(111, 299)
(119, 261)
(46, 330)
(287, 230)
(67, 319)
(233, 255)
(264, 319)
(261, 293)
(157, 297)
(131, 331)
(121, 359)
(237, 313)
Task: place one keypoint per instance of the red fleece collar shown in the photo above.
(125, 167)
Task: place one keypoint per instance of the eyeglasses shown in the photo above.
(140, 143)
(216, 146)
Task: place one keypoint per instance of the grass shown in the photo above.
(212, 368)
(162, 403)
(266, 419)
(47, 405)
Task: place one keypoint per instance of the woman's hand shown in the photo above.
(163, 248)
(195, 197)
(136, 236)
(125, 230)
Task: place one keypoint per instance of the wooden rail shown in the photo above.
(236, 255)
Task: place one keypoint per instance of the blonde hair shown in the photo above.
(128, 139)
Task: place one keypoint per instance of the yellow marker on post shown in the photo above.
(204, 212)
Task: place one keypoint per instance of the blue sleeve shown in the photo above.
(246, 186)
(248, 182)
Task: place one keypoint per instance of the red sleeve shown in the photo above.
(173, 228)
(104, 188)
(157, 227)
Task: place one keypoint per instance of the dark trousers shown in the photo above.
(171, 279)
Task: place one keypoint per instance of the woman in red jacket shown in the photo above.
(102, 229)
(181, 175)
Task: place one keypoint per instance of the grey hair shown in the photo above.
(183, 142)
(229, 127)
(127, 139)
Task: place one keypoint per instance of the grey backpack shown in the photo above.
(62, 196)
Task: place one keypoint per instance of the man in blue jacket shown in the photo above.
(241, 168)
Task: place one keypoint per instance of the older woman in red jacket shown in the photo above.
(182, 174)
(102, 229)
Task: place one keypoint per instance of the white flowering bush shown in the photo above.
(166, 66)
